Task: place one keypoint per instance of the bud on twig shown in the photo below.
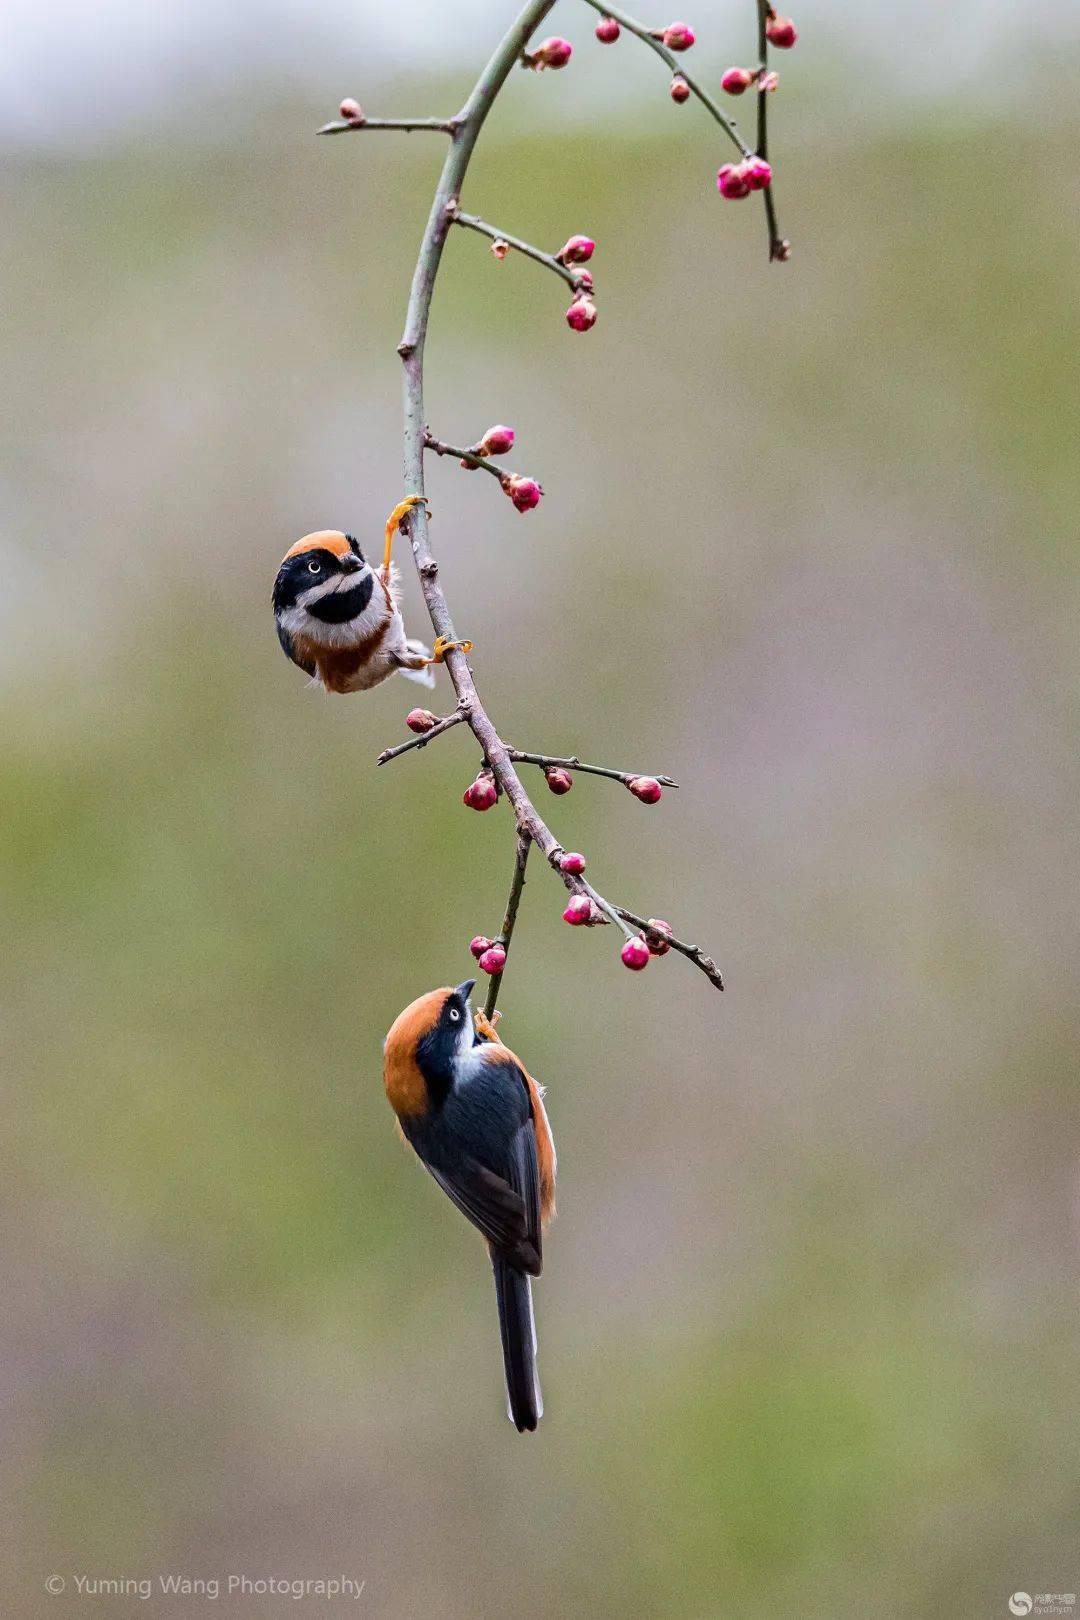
(479, 945)
(493, 960)
(780, 31)
(736, 81)
(499, 248)
(481, 794)
(550, 53)
(351, 111)
(657, 935)
(558, 780)
(421, 720)
(572, 862)
(579, 911)
(607, 30)
(645, 788)
(496, 441)
(635, 954)
(581, 316)
(678, 36)
(524, 492)
(680, 90)
(578, 250)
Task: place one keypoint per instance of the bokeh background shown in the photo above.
(808, 1328)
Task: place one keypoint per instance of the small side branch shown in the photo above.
(778, 248)
(632, 26)
(470, 457)
(693, 953)
(524, 843)
(574, 278)
(423, 740)
(341, 126)
(572, 763)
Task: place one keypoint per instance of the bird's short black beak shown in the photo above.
(465, 989)
(350, 564)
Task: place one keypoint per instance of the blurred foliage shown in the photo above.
(807, 1333)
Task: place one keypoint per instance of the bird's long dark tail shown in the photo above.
(513, 1290)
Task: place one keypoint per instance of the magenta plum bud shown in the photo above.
(421, 720)
(579, 911)
(757, 173)
(736, 81)
(678, 36)
(581, 315)
(572, 862)
(558, 780)
(499, 248)
(780, 31)
(635, 954)
(731, 182)
(492, 961)
(583, 281)
(578, 250)
(351, 111)
(524, 492)
(479, 945)
(680, 90)
(481, 794)
(768, 81)
(496, 441)
(657, 936)
(645, 788)
(607, 30)
(552, 53)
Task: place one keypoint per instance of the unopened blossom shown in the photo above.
(581, 315)
(524, 492)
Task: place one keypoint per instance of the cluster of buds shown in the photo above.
(550, 53)
(351, 111)
(421, 720)
(490, 954)
(645, 788)
(524, 492)
(497, 441)
(655, 941)
(558, 780)
(677, 36)
(735, 180)
(780, 31)
(481, 794)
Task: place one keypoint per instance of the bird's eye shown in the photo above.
(314, 567)
(455, 1015)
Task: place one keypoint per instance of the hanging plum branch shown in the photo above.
(645, 937)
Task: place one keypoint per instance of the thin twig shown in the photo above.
(521, 856)
(421, 741)
(469, 456)
(573, 278)
(675, 64)
(572, 763)
(693, 953)
(775, 241)
(341, 126)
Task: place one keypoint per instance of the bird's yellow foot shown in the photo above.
(402, 509)
(443, 646)
(486, 1026)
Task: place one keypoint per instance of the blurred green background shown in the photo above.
(807, 1327)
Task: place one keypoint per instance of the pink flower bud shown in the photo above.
(678, 36)
(524, 492)
(736, 81)
(657, 935)
(680, 90)
(635, 954)
(496, 441)
(731, 182)
(579, 911)
(479, 945)
(579, 250)
(645, 788)
(780, 31)
(607, 30)
(757, 173)
(573, 863)
(768, 81)
(481, 794)
(583, 281)
(493, 961)
(558, 780)
(499, 248)
(351, 110)
(582, 313)
(552, 53)
(421, 719)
